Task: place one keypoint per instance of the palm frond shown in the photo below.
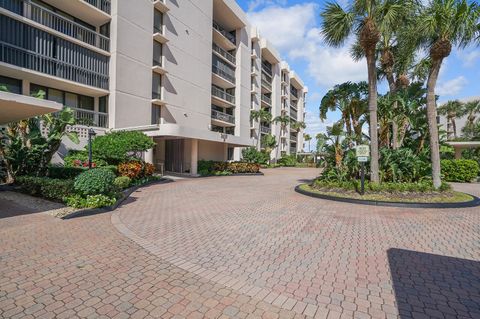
(337, 24)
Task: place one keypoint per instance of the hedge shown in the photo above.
(206, 168)
(94, 182)
(50, 188)
(460, 170)
(70, 172)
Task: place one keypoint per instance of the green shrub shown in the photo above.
(49, 188)
(288, 160)
(95, 181)
(91, 201)
(118, 147)
(122, 182)
(243, 168)
(252, 155)
(206, 168)
(77, 158)
(386, 187)
(64, 172)
(460, 170)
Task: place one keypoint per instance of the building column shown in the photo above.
(149, 156)
(194, 157)
(458, 153)
(26, 87)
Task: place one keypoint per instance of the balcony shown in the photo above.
(267, 68)
(103, 5)
(223, 119)
(265, 129)
(157, 98)
(55, 21)
(224, 38)
(293, 114)
(17, 107)
(230, 58)
(266, 86)
(223, 98)
(51, 66)
(223, 78)
(90, 118)
(293, 150)
(159, 34)
(266, 100)
(158, 67)
(161, 5)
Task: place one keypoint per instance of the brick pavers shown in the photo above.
(242, 247)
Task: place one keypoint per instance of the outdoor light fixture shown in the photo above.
(91, 133)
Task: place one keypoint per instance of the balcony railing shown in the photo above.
(267, 68)
(294, 114)
(294, 92)
(225, 33)
(223, 117)
(266, 84)
(223, 95)
(224, 53)
(265, 129)
(90, 118)
(293, 150)
(55, 21)
(266, 99)
(103, 5)
(34, 61)
(223, 74)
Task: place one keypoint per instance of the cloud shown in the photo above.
(255, 4)
(469, 57)
(451, 87)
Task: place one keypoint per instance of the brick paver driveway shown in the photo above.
(238, 247)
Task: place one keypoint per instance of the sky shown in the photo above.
(293, 26)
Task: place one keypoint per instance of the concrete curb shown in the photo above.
(473, 203)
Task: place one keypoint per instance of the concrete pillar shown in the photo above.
(26, 87)
(149, 156)
(194, 158)
(458, 153)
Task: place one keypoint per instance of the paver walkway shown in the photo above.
(242, 247)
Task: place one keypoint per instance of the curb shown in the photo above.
(125, 194)
(239, 174)
(473, 203)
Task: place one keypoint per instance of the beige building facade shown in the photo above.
(185, 73)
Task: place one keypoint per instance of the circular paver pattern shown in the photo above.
(255, 235)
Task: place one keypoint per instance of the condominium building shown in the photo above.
(185, 73)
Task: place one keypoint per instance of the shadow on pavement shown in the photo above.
(11, 209)
(434, 286)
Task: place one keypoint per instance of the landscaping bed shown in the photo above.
(212, 168)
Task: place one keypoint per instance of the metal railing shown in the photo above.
(266, 84)
(265, 129)
(225, 33)
(294, 92)
(223, 74)
(267, 68)
(103, 5)
(293, 150)
(156, 95)
(224, 53)
(34, 61)
(223, 117)
(266, 99)
(55, 21)
(90, 118)
(223, 95)
(293, 114)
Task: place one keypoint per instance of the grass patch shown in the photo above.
(403, 197)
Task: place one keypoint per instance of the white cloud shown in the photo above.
(469, 57)
(451, 87)
(255, 4)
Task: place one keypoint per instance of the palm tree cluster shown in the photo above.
(453, 110)
(391, 35)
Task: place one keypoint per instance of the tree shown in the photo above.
(118, 147)
(307, 138)
(471, 109)
(439, 26)
(452, 110)
(261, 115)
(364, 19)
(298, 125)
(284, 120)
(269, 143)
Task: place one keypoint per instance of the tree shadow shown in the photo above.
(434, 286)
(12, 209)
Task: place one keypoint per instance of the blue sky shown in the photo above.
(293, 27)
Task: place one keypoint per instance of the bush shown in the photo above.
(76, 158)
(122, 182)
(288, 160)
(386, 187)
(95, 181)
(252, 155)
(206, 168)
(132, 169)
(49, 188)
(64, 172)
(91, 201)
(460, 170)
(118, 147)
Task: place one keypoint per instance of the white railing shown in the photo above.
(227, 55)
(266, 99)
(90, 118)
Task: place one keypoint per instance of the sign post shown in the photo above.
(363, 153)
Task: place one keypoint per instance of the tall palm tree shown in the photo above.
(365, 19)
(441, 25)
(261, 115)
(471, 109)
(284, 120)
(298, 125)
(452, 110)
(307, 138)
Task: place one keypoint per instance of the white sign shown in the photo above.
(362, 159)
(362, 151)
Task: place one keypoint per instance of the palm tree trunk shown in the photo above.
(372, 107)
(454, 126)
(432, 122)
(393, 90)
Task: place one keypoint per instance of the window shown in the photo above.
(230, 154)
(86, 102)
(12, 85)
(103, 104)
(157, 53)
(156, 114)
(55, 95)
(71, 100)
(38, 91)
(67, 98)
(158, 21)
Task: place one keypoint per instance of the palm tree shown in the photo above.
(298, 125)
(441, 25)
(471, 109)
(284, 120)
(261, 115)
(365, 19)
(452, 110)
(269, 142)
(307, 138)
